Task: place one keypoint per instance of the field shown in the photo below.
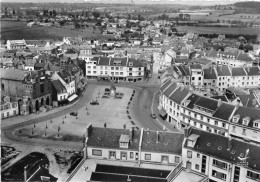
(219, 30)
(19, 30)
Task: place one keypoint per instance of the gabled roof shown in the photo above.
(179, 94)
(170, 89)
(168, 142)
(253, 71)
(249, 100)
(192, 100)
(216, 146)
(58, 85)
(224, 111)
(223, 71)
(207, 103)
(109, 138)
(209, 73)
(165, 85)
(12, 74)
(244, 112)
(238, 71)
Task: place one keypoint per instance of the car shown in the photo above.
(74, 113)
(94, 102)
(153, 116)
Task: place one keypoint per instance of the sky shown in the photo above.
(183, 2)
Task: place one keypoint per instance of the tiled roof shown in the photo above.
(249, 100)
(104, 61)
(221, 97)
(165, 85)
(224, 111)
(109, 138)
(58, 85)
(168, 142)
(12, 74)
(238, 71)
(207, 103)
(254, 114)
(223, 71)
(170, 89)
(179, 94)
(195, 66)
(193, 99)
(252, 71)
(210, 73)
(216, 146)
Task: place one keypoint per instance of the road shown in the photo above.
(146, 96)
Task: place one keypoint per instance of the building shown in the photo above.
(219, 157)
(68, 81)
(138, 146)
(59, 93)
(8, 107)
(245, 125)
(15, 44)
(196, 75)
(32, 89)
(121, 69)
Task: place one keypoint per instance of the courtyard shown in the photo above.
(107, 111)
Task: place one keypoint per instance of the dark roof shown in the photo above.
(168, 142)
(243, 112)
(223, 71)
(58, 85)
(165, 85)
(195, 66)
(224, 111)
(209, 143)
(193, 99)
(210, 73)
(64, 75)
(167, 92)
(252, 71)
(12, 74)
(41, 172)
(109, 138)
(207, 103)
(238, 71)
(179, 94)
(118, 62)
(249, 100)
(221, 97)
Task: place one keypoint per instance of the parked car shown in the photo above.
(74, 113)
(153, 116)
(94, 102)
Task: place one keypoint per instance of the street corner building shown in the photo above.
(31, 89)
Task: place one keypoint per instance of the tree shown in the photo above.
(129, 17)
(54, 13)
(13, 12)
(128, 24)
(96, 14)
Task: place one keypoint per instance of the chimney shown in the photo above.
(219, 102)
(187, 131)
(25, 173)
(157, 137)
(229, 143)
(88, 129)
(131, 134)
(105, 124)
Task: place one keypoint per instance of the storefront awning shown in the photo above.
(162, 113)
(71, 98)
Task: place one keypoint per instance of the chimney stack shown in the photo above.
(229, 143)
(157, 137)
(25, 173)
(219, 102)
(131, 134)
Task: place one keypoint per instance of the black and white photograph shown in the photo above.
(130, 90)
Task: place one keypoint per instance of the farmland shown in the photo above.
(19, 30)
(219, 30)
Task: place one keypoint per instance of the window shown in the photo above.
(94, 72)
(253, 175)
(193, 78)
(14, 112)
(117, 68)
(223, 125)
(130, 74)
(197, 167)
(131, 155)
(121, 73)
(177, 159)
(112, 68)
(89, 72)
(201, 126)
(216, 131)
(89, 67)
(201, 118)
(195, 115)
(199, 78)
(13, 105)
(208, 120)
(256, 125)
(94, 67)
(244, 132)
(112, 154)
(216, 123)
(147, 156)
(189, 154)
(2, 115)
(96, 152)
(198, 155)
(234, 128)
(2, 87)
(195, 123)
(130, 69)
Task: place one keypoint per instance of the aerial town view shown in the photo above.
(130, 90)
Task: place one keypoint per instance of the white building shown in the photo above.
(121, 69)
(220, 158)
(16, 44)
(8, 108)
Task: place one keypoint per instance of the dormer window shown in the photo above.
(124, 141)
(246, 120)
(257, 124)
(191, 140)
(236, 118)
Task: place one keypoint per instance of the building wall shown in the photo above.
(157, 157)
(9, 110)
(13, 87)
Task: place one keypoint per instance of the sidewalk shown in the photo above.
(19, 119)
